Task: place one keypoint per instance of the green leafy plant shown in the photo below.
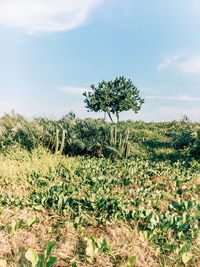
(95, 247)
(131, 262)
(41, 260)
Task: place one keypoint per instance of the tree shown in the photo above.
(113, 97)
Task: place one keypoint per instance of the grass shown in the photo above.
(141, 208)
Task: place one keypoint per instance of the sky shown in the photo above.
(51, 51)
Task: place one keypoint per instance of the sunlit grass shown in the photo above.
(145, 185)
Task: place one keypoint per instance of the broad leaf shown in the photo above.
(175, 205)
(186, 257)
(49, 248)
(51, 261)
(41, 260)
(32, 256)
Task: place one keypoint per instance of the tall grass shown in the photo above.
(72, 136)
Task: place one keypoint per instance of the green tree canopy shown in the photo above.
(113, 97)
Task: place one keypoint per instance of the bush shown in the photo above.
(72, 136)
(28, 135)
(183, 139)
(195, 150)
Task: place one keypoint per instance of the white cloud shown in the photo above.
(183, 63)
(169, 60)
(73, 90)
(45, 15)
(179, 98)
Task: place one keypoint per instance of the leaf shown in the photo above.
(184, 249)
(13, 225)
(32, 256)
(49, 248)
(51, 261)
(175, 205)
(3, 263)
(184, 227)
(41, 260)
(132, 261)
(186, 257)
(74, 264)
(169, 246)
(91, 250)
(60, 201)
(71, 189)
(189, 204)
(104, 246)
(31, 220)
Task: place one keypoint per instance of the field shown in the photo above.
(107, 194)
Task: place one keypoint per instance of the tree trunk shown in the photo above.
(110, 117)
(117, 115)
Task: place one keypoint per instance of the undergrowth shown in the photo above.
(99, 194)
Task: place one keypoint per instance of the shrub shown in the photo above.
(182, 139)
(195, 150)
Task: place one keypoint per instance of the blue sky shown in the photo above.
(51, 51)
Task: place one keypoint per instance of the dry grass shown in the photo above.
(123, 241)
(127, 243)
(48, 226)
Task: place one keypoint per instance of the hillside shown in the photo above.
(122, 194)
